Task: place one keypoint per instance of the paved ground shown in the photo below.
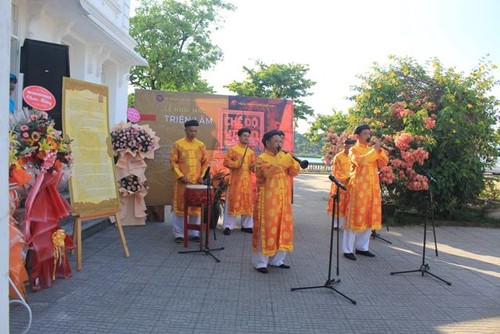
(157, 290)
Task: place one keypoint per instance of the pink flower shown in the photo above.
(429, 122)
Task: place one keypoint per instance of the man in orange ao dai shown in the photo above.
(364, 212)
(240, 159)
(273, 215)
(189, 164)
(341, 170)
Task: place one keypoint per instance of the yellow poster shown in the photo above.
(93, 186)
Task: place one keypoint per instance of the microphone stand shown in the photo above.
(329, 284)
(424, 267)
(377, 235)
(205, 225)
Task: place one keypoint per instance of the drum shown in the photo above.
(196, 194)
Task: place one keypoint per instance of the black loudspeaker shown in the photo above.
(45, 64)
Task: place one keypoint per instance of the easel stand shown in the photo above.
(424, 267)
(330, 283)
(204, 227)
(77, 234)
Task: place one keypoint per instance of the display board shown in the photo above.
(220, 118)
(93, 187)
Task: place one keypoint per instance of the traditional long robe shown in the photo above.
(341, 169)
(365, 200)
(188, 159)
(273, 215)
(240, 186)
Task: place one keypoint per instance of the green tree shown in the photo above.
(174, 37)
(282, 81)
(457, 110)
(336, 122)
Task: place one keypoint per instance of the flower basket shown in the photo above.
(39, 150)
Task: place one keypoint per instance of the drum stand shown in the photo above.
(424, 267)
(205, 227)
(329, 284)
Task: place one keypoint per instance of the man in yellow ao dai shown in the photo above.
(364, 212)
(341, 170)
(240, 159)
(273, 215)
(189, 164)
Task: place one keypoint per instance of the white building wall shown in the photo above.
(96, 32)
(5, 33)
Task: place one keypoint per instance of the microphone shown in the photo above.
(207, 175)
(337, 182)
(429, 176)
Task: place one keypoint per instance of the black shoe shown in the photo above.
(195, 238)
(365, 253)
(350, 256)
(247, 229)
(282, 266)
(227, 231)
(179, 240)
(262, 270)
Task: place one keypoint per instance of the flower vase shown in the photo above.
(45, 207)
(132, 205)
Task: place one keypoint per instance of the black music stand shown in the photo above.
(424, 267)
(329, 284)
(205, 225)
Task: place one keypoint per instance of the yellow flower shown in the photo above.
(45, 145)
(376, 111)
(469, 105)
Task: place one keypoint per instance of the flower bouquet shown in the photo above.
(135, 139)
(130, 185)
(132, 143)
(43, 152)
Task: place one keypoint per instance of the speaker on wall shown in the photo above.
(45, 64)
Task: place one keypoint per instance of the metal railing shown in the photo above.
(317, 168)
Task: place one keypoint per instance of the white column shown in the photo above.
(5, 7)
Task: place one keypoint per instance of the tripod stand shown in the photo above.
(205, 224)
(330, 283)
(424, 267)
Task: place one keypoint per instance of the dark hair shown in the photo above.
(281, 133)
(191, 122)
(360, 129)
(268, 135)
(243, 130)
(13, 78)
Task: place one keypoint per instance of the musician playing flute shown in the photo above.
(341, 169)
(240, 159)
(364, 212)
(273, 215)
(189, 164)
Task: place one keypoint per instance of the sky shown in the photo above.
(339, 40)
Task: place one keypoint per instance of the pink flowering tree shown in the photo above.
(431, 120)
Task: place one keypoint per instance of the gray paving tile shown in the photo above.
(158, 290)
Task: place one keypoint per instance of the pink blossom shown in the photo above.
(429, 122)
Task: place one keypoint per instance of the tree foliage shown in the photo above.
(174, 37)
(283, 81)
(463, 111)
(336, 122)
